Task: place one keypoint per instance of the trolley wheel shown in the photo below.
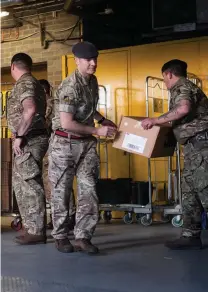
(16, 225)
(128, 219)
(107, 217)
(177, 223)
(145, 221)
(165, 219)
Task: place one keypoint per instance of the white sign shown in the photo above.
(134, 143)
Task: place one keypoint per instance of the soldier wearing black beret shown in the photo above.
(73, 151)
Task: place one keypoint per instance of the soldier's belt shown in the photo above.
(68, 135)
(203, 136)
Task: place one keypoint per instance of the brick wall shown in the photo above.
(32, 45)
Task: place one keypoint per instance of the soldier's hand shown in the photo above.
(13, 136)
(106, 131)
(148, 123)
(17, 146)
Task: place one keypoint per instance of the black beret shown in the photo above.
(85, 50)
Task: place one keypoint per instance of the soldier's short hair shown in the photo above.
(22, 61)
(176, 67)
(46, 85)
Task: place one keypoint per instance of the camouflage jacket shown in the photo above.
(78, 96)
(49, 112)
(197, 120)
(27, 86)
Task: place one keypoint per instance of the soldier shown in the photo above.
(73, 151)
(26, 120)
(50, 103)
(49, 115)
(189, 117)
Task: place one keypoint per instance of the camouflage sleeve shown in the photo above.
(49, 108)
(25, 90)
(67, 99)
(184, 93)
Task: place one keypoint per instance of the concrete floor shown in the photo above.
(132, 258)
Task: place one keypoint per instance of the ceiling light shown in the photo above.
(4, 13)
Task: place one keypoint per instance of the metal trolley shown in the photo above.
(106, 209)
(132, 211)
(157, 101)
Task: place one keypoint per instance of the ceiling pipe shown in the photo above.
(8, 3)
(40, 4)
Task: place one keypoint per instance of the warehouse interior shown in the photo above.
(139, 203)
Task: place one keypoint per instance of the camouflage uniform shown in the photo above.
(49, 117)
(69, 157)
(192, 132)
(46, 182)
(27, 168)
(49, 112)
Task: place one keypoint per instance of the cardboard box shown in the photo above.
(156, 142)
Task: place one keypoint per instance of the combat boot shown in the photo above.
(27, 239)
(64, 245)
(22, 232)
(85, 245)
(185, 243)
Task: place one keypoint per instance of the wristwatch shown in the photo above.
(101, 120)
(19, 137)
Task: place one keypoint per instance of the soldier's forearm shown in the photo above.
(76, 127)
(178, 112)
(25, 123)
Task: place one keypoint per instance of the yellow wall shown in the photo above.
(4, 133)
(125, 70)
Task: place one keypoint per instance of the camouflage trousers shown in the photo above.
(68, 158)
(47, 188)
(194, 187)
(28, 184)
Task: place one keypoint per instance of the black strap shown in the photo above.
(36, 132)
(101, 120)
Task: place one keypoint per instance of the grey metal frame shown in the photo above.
(103, 141)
